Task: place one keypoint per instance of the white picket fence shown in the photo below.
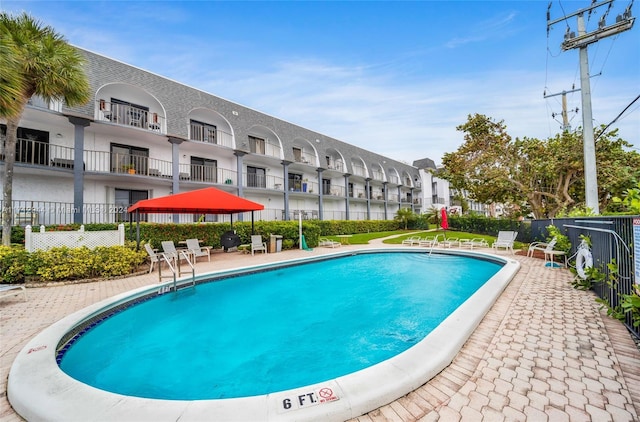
(44, 240)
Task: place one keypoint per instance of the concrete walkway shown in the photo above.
(544, 352)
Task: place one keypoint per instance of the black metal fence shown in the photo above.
(612, 241)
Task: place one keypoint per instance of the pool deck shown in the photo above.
(544, 352)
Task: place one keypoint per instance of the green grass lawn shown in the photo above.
(364, 238)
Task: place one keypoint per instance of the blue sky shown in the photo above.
(393, 77)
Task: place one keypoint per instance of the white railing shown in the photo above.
(335, 165)
(127, 115)
(358, 170)
(43, 240)
(210, 135)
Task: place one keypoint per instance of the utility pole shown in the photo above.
(581, 41)
(566, 127)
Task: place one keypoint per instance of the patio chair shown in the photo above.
(323, 241)
(257, 244)
(476, 242)
(430, 241)
(541, 246)
(505, 240)
(7, 290)
(153, 256)
(451, 242)
(412, 240)
(171, 254)
(193, 245)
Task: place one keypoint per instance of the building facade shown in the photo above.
(144, 136)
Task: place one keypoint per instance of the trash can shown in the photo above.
(275, 243)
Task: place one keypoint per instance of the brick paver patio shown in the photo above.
(544, 352)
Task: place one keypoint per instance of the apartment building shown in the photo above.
(144, 136)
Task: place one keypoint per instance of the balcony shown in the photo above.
(210, 135)
(336, 165)
(359, 170)
(377, 175)
(304, 158)
(127, 115)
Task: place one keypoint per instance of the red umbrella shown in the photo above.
(444, 223)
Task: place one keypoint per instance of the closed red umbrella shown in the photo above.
(443, 221)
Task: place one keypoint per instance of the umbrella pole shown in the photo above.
(252, 224)
(137, 229)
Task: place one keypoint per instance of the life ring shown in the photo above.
(583, 260)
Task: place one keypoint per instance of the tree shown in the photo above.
(404, 216)
(544, 176)
(40, 62)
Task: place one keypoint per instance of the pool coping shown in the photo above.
(39, 390)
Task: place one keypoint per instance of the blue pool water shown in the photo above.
(274, 330)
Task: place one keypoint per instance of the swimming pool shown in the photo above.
(338, 397)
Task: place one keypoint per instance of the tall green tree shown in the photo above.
(39, 62)
(544, 176)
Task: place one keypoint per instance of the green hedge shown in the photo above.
(490, 226)
(57, 264)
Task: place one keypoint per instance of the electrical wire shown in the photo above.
(617, 117)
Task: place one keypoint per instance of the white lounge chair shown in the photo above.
(541, 246)
(193, 245)
(505, 240)
(476, 242)
(323, 241)
(171, 254)
(153, 256)
(450, 242)
(257, 244)
(412, 240)
(430, 241)
(7, 290)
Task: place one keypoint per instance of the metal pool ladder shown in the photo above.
(177, 271)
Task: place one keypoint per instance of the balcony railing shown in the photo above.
(393, 179)
(333, 190)
(305, 158)
(336, 165)
(358, 170)
(211, 135)
(252, 180)
(377, 175)
(126, 115)
(206, 174)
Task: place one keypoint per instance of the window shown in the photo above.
(326, 186)
(128, 159)
(256, 145)
(32, 146)
(297, 154)
(350, 190)
(124, 199)
(203, 132)
(204, 170)
(295, 182)
(256, 177)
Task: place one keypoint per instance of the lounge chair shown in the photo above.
(476, 242)
(505, 240)
(450, 242)
(323, 241)
(153, 256)
(7, 290)
(171, 254)
(257, 244)
(430, 241)
(412, 240)
(193, 245)
(541, 246)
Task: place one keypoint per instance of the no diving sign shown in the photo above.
(305, 399)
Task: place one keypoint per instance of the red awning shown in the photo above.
(201, 201)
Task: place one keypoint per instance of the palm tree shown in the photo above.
(405, 215)
(39, 62)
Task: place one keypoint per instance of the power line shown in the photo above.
(617, 117)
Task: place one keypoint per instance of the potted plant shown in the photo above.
(130, 168)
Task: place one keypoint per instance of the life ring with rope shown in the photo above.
(584, 260)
